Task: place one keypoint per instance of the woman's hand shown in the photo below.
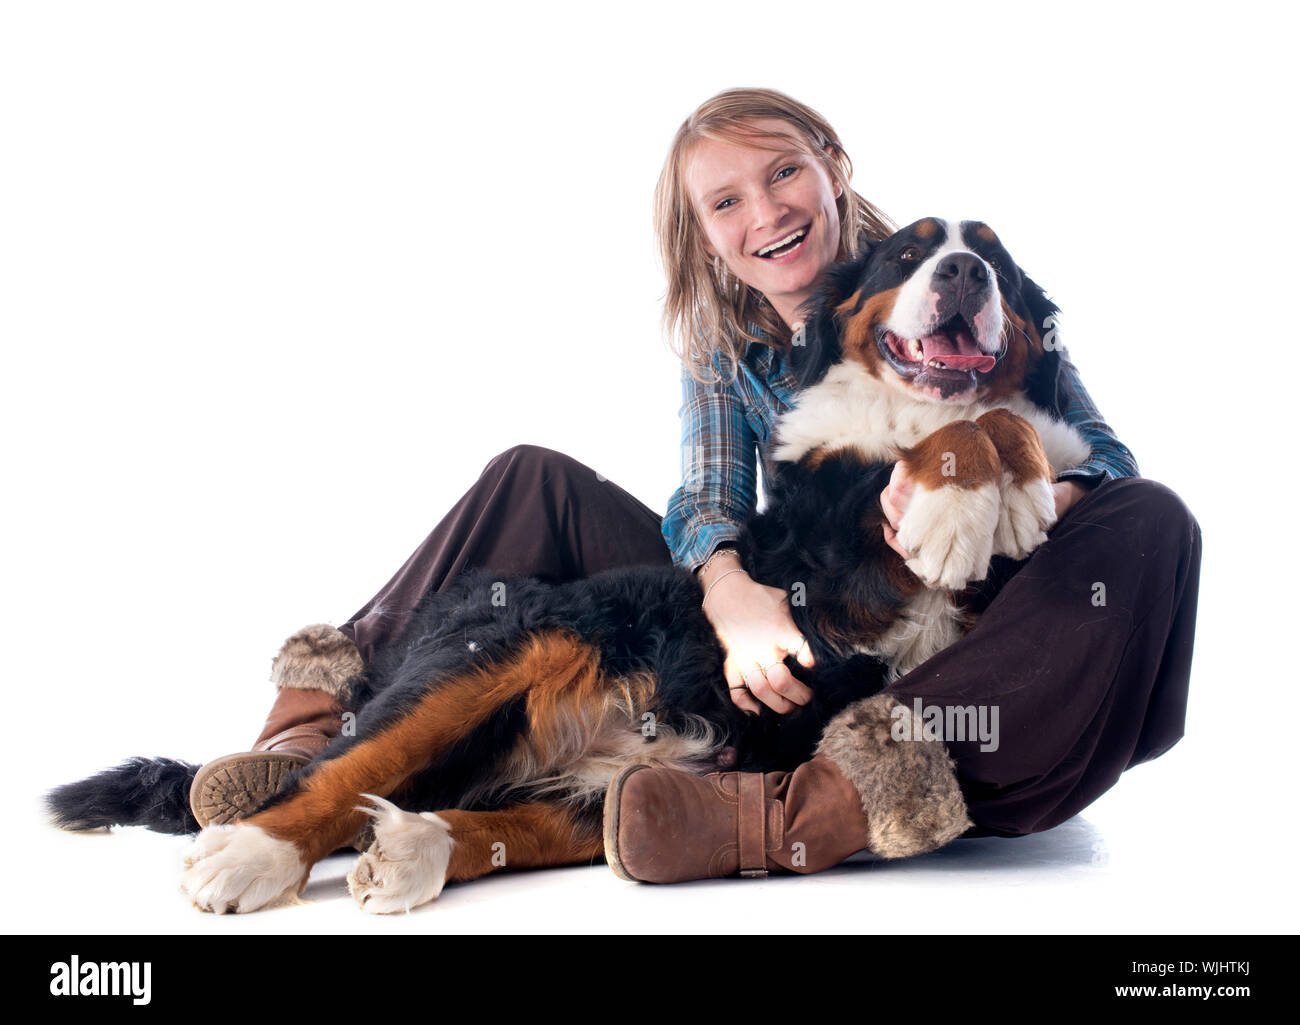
(893, 500)
(1066, 493)
(754, 626)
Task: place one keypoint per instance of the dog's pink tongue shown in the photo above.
(958, 351)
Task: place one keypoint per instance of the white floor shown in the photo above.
(1139, 860)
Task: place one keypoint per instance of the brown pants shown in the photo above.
(1085, 652)
(1086, 681)
(533, 512)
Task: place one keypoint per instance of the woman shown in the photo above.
(1083, 651)
(1083, 692)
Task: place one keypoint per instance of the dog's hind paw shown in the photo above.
(240, 868)
(406, 865)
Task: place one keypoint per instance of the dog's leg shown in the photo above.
(245, 866)
(951, 518)
(1028, 505)
(413, 855)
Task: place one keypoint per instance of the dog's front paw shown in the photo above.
(406, 865)
(1028, 512)
(949, 534)
(240, 868)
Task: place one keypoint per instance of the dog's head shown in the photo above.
(939, 310)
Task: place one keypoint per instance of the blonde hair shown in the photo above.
(707, 310)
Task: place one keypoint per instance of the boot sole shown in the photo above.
(613, 794)
(230, 788)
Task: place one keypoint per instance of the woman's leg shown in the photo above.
(1082, 661)
(1076, 670)
(532, 512)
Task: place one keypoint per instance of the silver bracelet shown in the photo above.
(721, 576)
(727, 548)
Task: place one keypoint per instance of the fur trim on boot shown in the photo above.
(908, 787)
(318, 657)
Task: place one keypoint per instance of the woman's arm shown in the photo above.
(718, 492)
(719, 474)
(1110, 458)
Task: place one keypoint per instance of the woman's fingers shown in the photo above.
(901, 483)
(745, 701)
(893, 503)
(897, 494)
(740, 695)
(891, 539)
(782, 681)
(892, 513)
(761, 687)
(803, 654)
(775, 686)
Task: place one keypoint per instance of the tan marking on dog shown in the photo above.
(814, 460)
(1022, 348)
(531, 836)
(858, 333)
(957, 455)
(321, 816)
(1017, 444)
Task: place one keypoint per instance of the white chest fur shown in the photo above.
(850, 408)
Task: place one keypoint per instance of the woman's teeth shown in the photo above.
(783, 246)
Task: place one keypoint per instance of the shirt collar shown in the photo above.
(759, 354)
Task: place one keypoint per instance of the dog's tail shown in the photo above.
(149, 792)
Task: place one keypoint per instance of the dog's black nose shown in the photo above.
(962, 272)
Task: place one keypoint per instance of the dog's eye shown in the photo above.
(995, 263)
(909, 254)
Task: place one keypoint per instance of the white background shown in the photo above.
(277, 279)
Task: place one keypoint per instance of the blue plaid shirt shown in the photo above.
(727, 429)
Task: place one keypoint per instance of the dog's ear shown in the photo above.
(1041, 310)
(816, 348)
(1043, 381)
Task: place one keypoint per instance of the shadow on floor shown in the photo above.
(1076, 843)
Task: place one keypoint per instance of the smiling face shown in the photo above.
(768, 213)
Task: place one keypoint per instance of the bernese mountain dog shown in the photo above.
(497, 720)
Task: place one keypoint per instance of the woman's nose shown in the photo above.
(768, 210)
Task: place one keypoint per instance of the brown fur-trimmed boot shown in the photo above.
(313, 673)
(862, 790)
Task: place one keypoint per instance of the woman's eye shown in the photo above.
(723, 204)
(792, 168)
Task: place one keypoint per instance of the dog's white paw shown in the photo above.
(240, 868)
(949, 534)
(1028, 511)
(406, 865)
